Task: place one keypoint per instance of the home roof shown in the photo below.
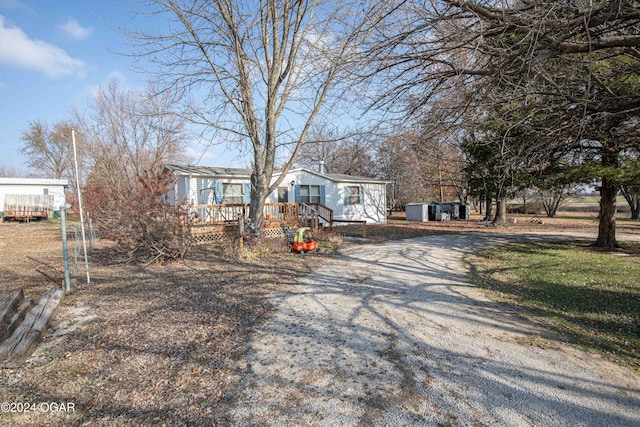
(208, 171)
(336, 177)
(245, 173)
(347, 178)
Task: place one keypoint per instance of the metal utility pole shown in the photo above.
(84, 239)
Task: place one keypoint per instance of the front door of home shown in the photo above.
(283, 194)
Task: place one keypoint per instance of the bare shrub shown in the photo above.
(145, 226)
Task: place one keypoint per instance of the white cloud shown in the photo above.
(76, 30)
(12, 5)
(17, 49)
(118, 76)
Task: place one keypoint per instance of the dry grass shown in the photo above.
(161, 345)
(398, 228)
(139, 346)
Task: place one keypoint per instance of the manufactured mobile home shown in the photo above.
(349, 198)
(31, 198)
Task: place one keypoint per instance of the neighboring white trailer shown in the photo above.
(31, 198)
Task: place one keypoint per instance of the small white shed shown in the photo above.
(32, 193)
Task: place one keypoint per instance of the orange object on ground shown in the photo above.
(303, 242)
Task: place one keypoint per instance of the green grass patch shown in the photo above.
(591, 296)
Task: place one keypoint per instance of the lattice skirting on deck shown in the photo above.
(201, 238)
(272, 233)
(204, 235)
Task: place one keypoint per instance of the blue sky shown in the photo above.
(53, 55)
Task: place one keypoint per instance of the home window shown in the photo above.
(354, 195)
(232, 193)
(309, 194)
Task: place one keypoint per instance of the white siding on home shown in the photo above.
(208, 190)
(372, 206)
(200, 190)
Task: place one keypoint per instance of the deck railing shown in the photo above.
(323, 212)
(308, 215)
(280, 211)
(228, 213)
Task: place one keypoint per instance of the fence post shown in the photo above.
(240, 229)
(65, 252)
(90, 234)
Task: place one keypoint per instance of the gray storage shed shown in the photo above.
(434, 211)
(456, 210)
(424, 212)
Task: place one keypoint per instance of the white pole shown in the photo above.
(84, 240)
(65, 252)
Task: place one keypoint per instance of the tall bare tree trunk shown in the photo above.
(501, 211)
(607, 224)
(259, 193)
(633, 199)
(489, 205)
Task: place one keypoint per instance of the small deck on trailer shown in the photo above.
(25, 215)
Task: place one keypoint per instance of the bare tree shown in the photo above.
(398, 163)
(48, 149)
(350, 154)
(263, 71)
(9, 172)
(554, 198)
(440, 155)
(568, 65)
(129, 132)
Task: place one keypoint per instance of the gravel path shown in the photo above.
(394, 334)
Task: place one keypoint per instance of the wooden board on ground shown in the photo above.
(15, 350)
(18, 316)
(9, 301)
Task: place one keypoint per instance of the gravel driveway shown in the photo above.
(394, 334)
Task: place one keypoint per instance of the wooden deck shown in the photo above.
(210, 223)
(226, 215)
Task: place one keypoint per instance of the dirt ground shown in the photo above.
(138, 346)
(398, 228)
(160, 344)
(392, 334)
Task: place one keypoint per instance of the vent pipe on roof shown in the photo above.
(321, 168)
